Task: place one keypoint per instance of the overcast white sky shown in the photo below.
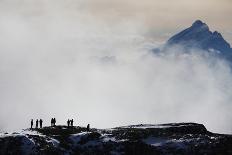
(89, 60)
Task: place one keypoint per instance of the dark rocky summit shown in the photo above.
(144, 139)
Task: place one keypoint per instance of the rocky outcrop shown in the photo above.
(175, 138)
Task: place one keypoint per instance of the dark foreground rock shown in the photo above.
(176, 138)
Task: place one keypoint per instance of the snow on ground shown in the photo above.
(76, 138)
(104, 138)
(26, 136)
(28, 145)
(159, 142)
(31, 132)
(155, 141)
(14, 134)
(108, 137)
(54, 142)
(22, 132)
(145, 126)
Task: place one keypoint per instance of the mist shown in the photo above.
(63, 60)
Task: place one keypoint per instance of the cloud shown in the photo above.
(68, 61)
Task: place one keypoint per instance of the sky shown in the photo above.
(165, 17)
(91, 61)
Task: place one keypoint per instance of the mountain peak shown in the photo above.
(200, 25)
(217, 34)
(199, 36)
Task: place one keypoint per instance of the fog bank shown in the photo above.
(64, 61)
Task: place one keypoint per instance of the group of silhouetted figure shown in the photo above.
(37, 123)
(53, 122)
(70, 122)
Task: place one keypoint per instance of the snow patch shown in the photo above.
(161, 142)
(155, 141)
(108, 138)
(76, 138)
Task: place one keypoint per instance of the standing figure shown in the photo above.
(41, 123)
(31, 123)
(68, 122)
(54, 121)
(36, 123)
(71, 122)
(88, 126)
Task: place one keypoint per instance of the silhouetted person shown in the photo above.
(37, 123)
(41, 123)
(54, 121)
(88, 126)
(31, 123)
(68, 122)
(71, 122)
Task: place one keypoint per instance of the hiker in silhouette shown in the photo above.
(68, 122)
(41, 123)
(54, 121)
(88, 126)
(71, 121)
(31, 123)
(36, 123)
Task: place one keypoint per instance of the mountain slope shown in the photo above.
(175, 138)
(200, 37)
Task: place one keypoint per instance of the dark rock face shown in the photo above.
(199, 36)
(175, 138)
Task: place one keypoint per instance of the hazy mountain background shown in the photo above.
(92, 61)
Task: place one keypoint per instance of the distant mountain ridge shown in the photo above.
(199, 36)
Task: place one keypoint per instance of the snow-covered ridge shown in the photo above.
(169, 125)
(173, 138)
